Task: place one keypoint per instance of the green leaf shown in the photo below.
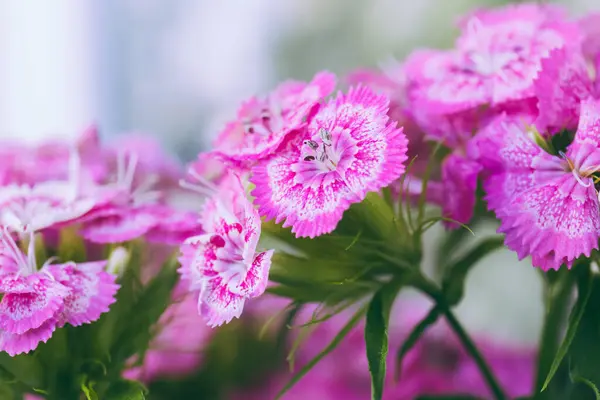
(455, 275)
(376, 334)
(126, 390)
(585, 286)
(25, 368)
(430, 319)
(330, 347)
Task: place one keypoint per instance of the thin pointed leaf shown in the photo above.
(334, 343)
(584, 291)
(376, 335)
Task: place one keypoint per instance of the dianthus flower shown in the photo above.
(495, 61)
(33, 207)
(547, 204)
(222, 264)
(22, 164)
(349, 148)
(37, 301)
(263, 123)
(135, 208)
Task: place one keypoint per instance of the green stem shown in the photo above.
(436, 294)
(471, 348)
(557, 305)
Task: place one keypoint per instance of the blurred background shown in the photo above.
(178, 69)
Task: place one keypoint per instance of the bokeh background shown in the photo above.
(177, 70)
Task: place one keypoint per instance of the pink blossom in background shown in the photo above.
(495, 61)
(562, 83)
(222, 265)
(455, 193)
(262, 124)
(22, 164)
(349, 148)
(136, 198)
(436, 365)
(177, 350)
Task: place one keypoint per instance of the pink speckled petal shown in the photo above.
(92, 291)
(554, 223)
(29, 301)
(14, 344)
(218, 305)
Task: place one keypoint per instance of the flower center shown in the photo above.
(265, 120)
(134, 195)
(321, 153)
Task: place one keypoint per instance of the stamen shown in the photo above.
(130, 172)
(579, 180)
(325, 136)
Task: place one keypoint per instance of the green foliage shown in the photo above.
(585, 286)
(376, 335)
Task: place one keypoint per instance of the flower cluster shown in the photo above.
(515, 101)
(58, 193)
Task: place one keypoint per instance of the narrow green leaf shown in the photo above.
(455, 275)
(334, 343)
(431, 317)
(584, 290)
(376, 335)
(580, 379)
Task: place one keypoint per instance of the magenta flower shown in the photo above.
(455, 193)
(263, 123)
(562, 83)
(22, 164)
(495, 61)
(31, 207)
(547, 204)
(36, 302)
(92, 291)
(222, 264)
(133, 209)
(349, 148)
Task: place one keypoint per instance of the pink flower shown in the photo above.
(36, 302)
(92, 291)
(32, 207)
(222, 264)
(23, 164)
(547, 204)
(455, 193)
(495, 61)
(561, 84)
(263, 123)
(349, 148)
(26, 208)
(135, 208)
